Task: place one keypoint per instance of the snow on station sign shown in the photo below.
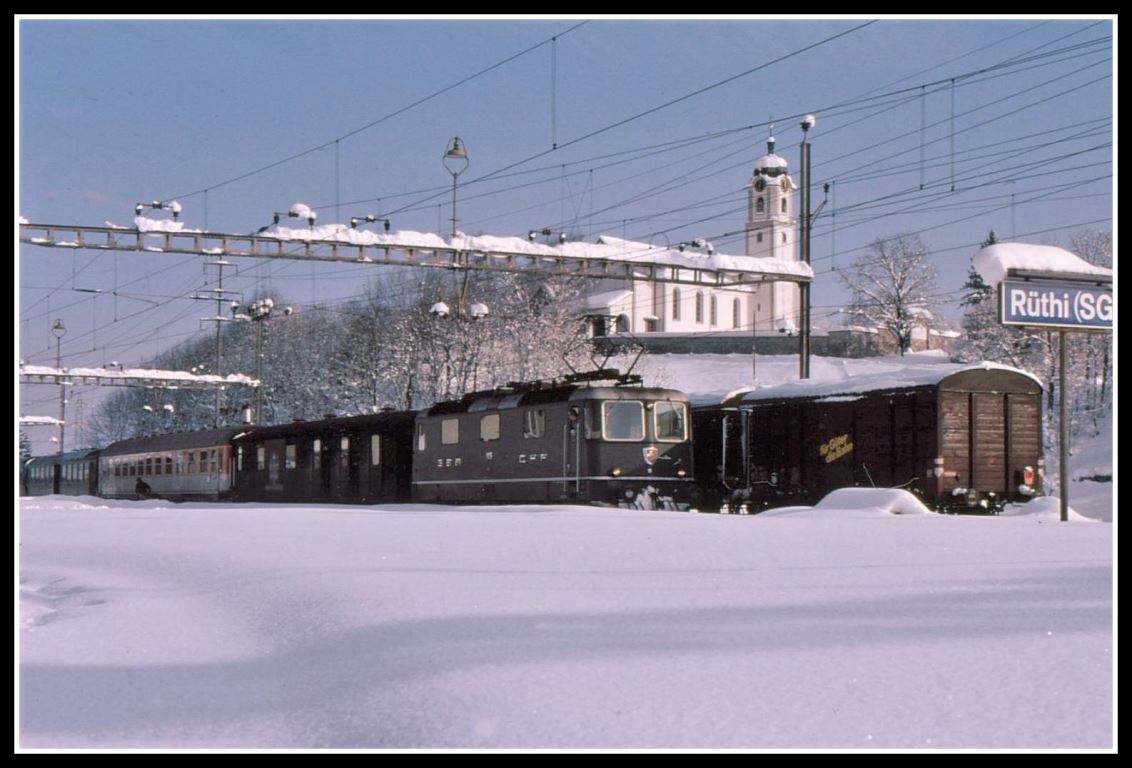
(1055, 305)
(1047, 287)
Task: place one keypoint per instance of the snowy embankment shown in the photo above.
(155, 625)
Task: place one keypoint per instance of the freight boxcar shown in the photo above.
(965, 438)
(361, 459)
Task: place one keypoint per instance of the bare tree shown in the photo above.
(893, 287)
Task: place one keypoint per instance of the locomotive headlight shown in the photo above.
(680, 473)
(615, 472)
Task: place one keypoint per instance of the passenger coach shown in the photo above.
(361, 459)
(179, 467)
(74, 473)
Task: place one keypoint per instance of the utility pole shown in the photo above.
(59, 331)
(217, 296)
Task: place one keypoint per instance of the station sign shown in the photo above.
(1053, 304)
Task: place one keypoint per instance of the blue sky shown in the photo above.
(352, 116)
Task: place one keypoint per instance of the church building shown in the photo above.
(771, 232)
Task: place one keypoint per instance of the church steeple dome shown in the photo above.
(770, 164)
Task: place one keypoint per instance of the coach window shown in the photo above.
(344, 452)
(260, 457)
(623, 420)
(316, 453)
(239, 458)
(489, 427)
(449, 431)
(168, 465)
(671, 422)
(289, 458)
(375, 450)
(534, 423)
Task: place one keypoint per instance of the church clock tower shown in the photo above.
(772, 233)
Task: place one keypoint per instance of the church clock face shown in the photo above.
(784, 184)
(760, 185)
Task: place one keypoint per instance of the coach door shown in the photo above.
(321, 468)
(572, 452)
(346, 467)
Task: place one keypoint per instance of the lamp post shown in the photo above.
(463, 342)
(60, 330)
(259, 312)
(455, 162)
(804, 288)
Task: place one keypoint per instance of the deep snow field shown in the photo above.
(154, 625)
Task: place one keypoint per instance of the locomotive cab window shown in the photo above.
(534, 423)
(670, 422)
(623, 420)
(450, 432)
(489, 427)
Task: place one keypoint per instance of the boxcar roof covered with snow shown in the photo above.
(943, 376)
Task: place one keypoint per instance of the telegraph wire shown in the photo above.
(383, 118)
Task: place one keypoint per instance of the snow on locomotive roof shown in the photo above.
(994, 262)
(900, 377)
(550, 392)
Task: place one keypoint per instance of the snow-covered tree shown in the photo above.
(1092, 353)
(893, 287)
(984, 337)
(384, 348)
(25, 447)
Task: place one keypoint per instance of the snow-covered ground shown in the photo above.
(146, 624)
